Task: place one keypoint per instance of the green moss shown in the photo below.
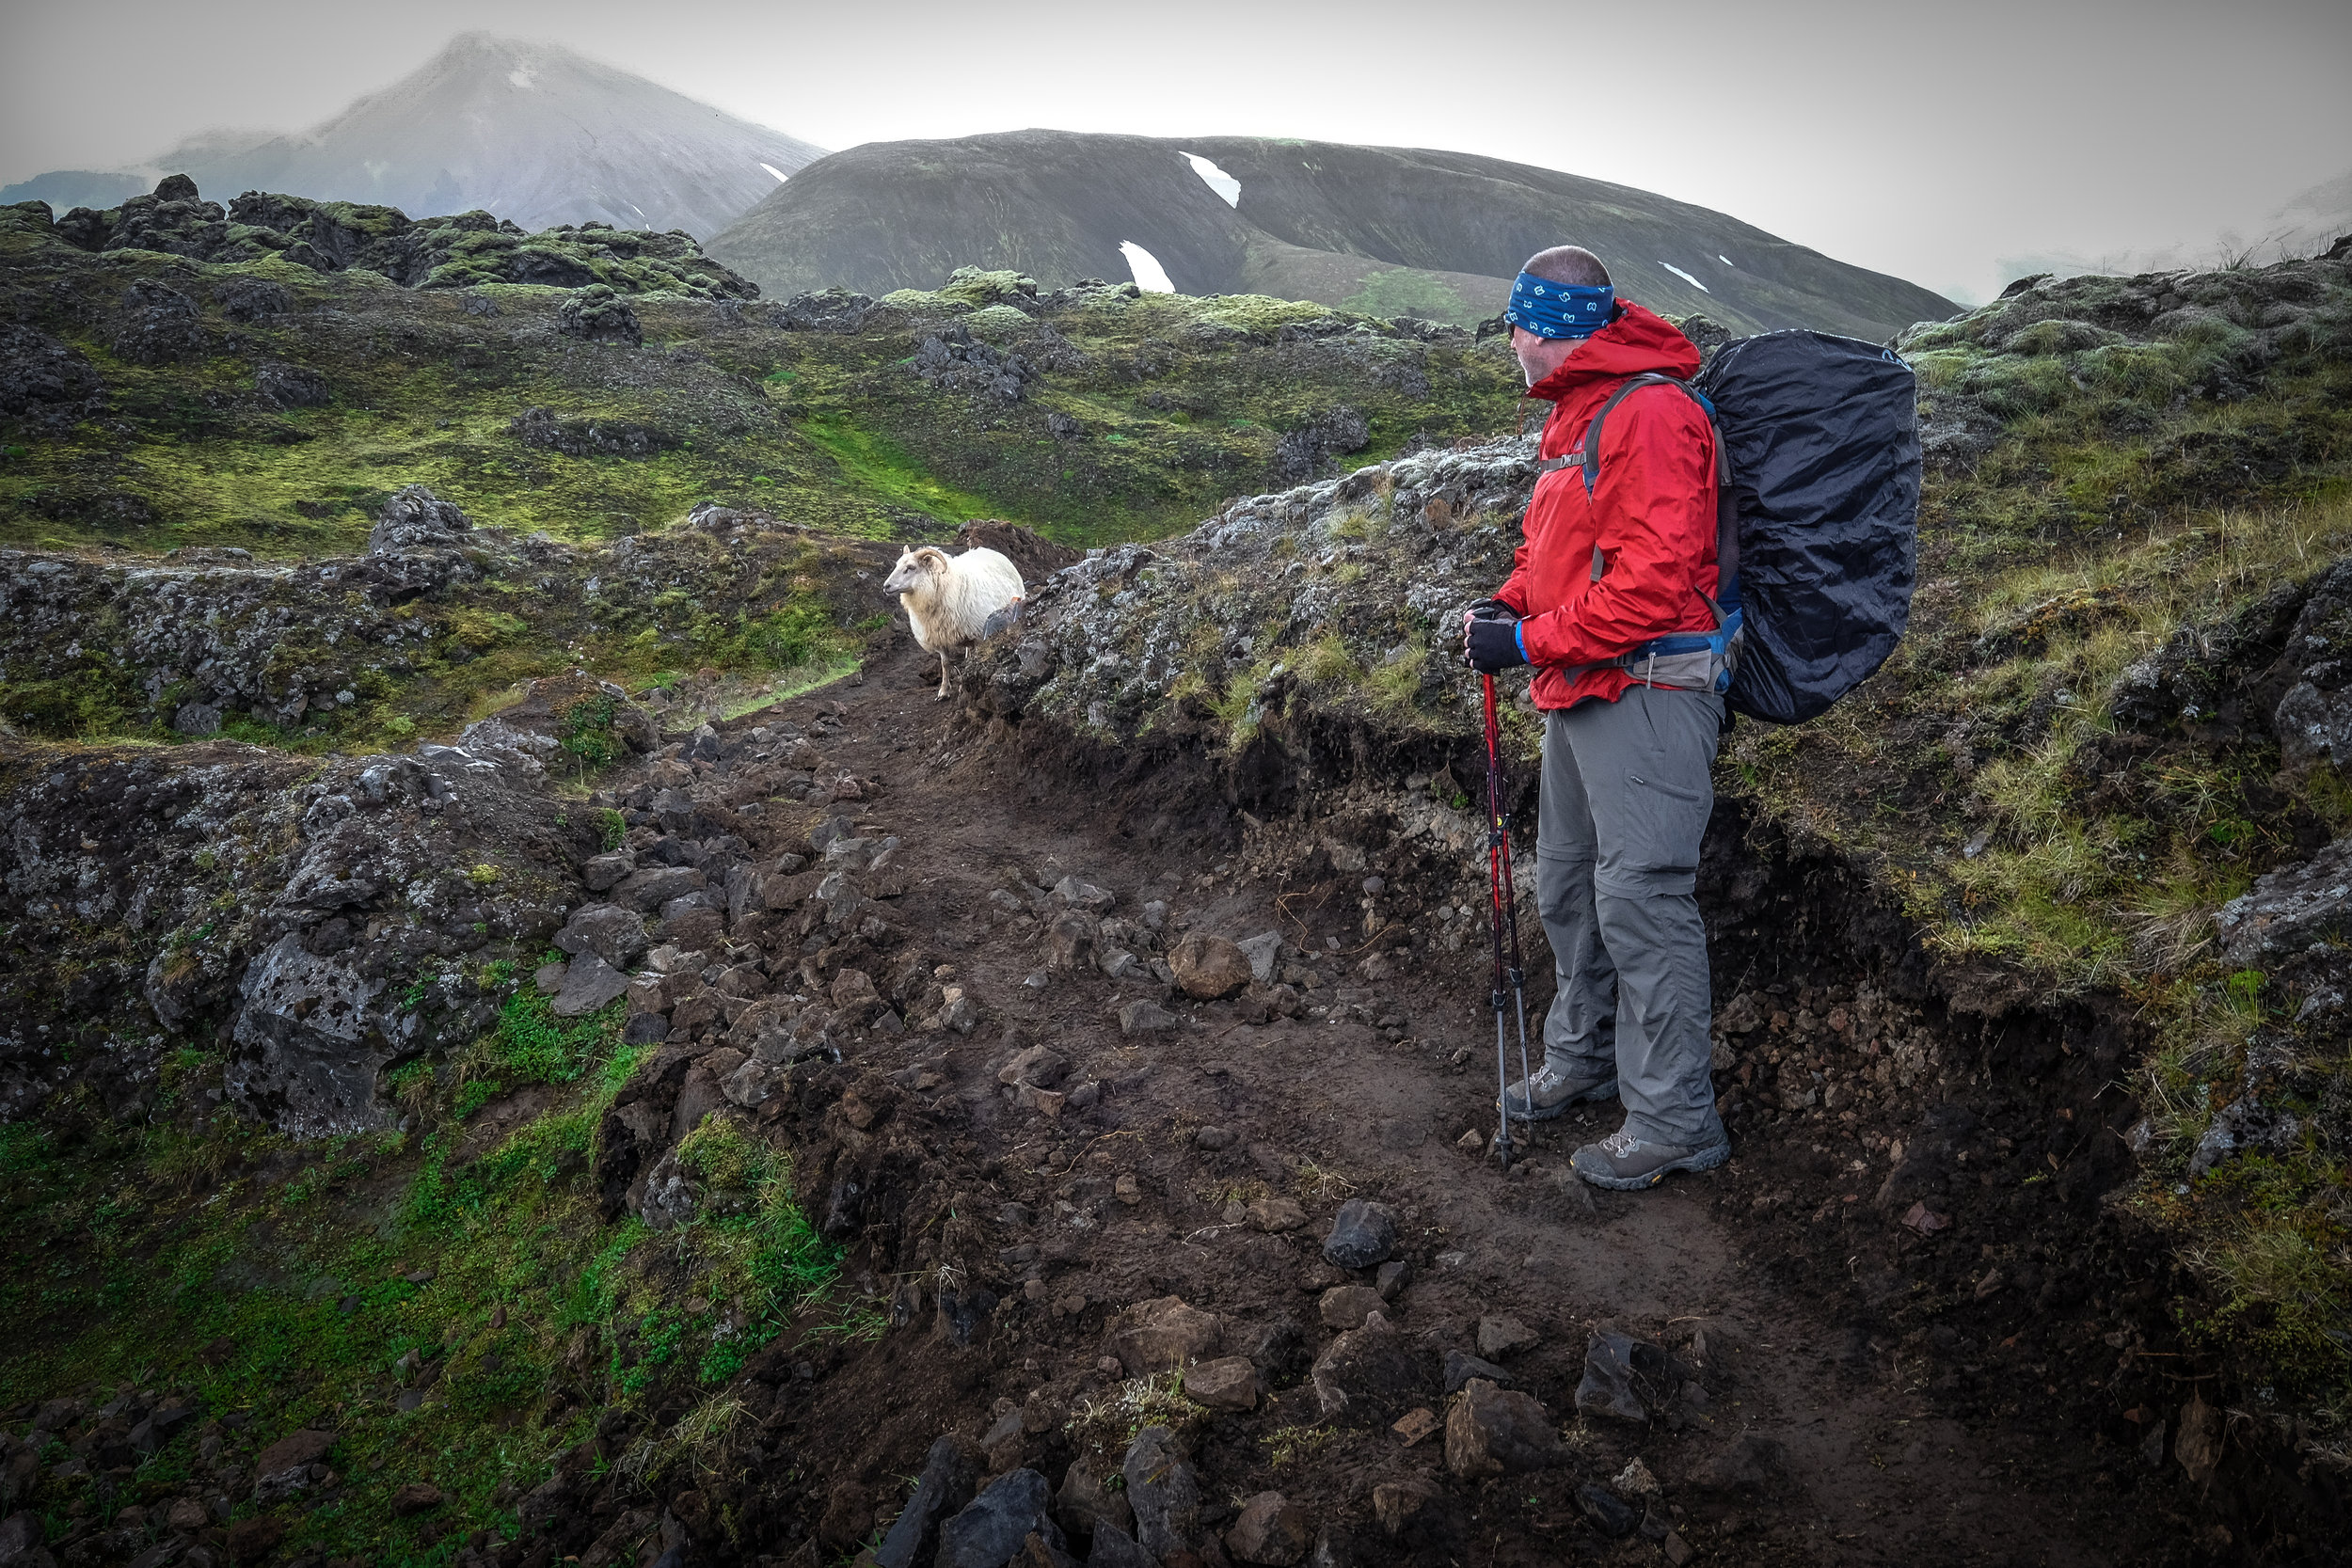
(1407, 291)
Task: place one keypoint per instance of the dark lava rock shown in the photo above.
(990, 1532)
(45, 379)
(247, 299)
(615, 934)
(600, 315)
(159, 326)
(1620, 1373)
(293, 386)
(1368, 1374)
(1363, 1235)
(1610, 1513)
(1461, 1366)
(415, 518)
(1163, 1490)
(941, 1492)
(1492, 1431)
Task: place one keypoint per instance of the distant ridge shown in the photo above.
(530, 131)
(1387, 231)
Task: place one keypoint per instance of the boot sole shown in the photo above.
(1545, 1113)
(1704, 1159)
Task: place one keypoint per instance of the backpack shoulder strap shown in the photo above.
(1634, 384)
(1727, 509)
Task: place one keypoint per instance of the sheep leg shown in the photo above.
(943, 676)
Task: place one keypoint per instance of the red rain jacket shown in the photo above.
(1652, 514)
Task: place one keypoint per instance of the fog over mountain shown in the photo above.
(2306, 224)
(530, 131)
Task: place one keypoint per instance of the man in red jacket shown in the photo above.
(1627, 753)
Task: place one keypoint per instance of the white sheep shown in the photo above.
(956, 601)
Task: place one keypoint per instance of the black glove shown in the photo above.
(1489, 609)
(1491, 647)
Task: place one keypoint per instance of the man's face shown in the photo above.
(1540, 356)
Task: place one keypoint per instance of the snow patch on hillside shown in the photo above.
(1151, 276)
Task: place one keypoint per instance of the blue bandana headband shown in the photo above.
(1552, 309)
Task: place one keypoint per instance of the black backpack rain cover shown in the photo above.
(1823, 435)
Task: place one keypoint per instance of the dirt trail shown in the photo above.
(1873, 1468)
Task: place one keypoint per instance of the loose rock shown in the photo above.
(1492, 1431)
(1209, 967)
(1501, 1336)
(1164, 1493)
(1368, 1374)
(1230, 1383)
(991, 1528)
(940, 1490)
(1144, 1016)
(1160, 1335)
(1345, 1307)
(1363, 1235)
(1087, 1505)
(1271, 1530)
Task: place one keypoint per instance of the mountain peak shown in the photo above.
(523, 127)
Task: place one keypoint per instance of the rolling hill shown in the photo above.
(1389, 230)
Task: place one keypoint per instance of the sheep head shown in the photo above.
(916, 569)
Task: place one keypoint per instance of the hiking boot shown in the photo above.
(1625, 1164)
(1554, 1091)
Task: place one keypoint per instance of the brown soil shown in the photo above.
(1926, 1415)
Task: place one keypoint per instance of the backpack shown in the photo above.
(1817, 444)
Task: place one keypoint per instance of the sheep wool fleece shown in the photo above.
(1626, 797)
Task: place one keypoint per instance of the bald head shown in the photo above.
(1568, 264)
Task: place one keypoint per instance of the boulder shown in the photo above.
(1620, 1373)
(294, 1450)
(1228, 1383)
(1209, 967)
(1142, 1016)
(588, 983)
(1460, 1366)
(1040, 1065)
(1499, 1336)
(416, 518)
(1275, 1215)
(417, 1496)
(1492, 1431)
(612, 933)
(990, 1530)
(1271, 1530)
(1265, 953)
(1072, 894)
(1115, 1548)
(1363, 1234)
(1367, 1375)
(1164, 1492)
(1086, 1506)
(1163, 1334)
(2290, 910)
(1345, 1307)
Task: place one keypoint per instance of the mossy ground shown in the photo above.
(1985, 774)
(450, 1304)
(1181, 401)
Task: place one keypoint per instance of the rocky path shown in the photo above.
(1067, 1176)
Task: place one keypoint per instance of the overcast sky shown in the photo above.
(1928, 141)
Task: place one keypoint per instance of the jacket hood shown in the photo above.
(1637, 342)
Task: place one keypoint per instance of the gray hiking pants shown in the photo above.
(1626, 797)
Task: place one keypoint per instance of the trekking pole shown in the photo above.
(1503, 899)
